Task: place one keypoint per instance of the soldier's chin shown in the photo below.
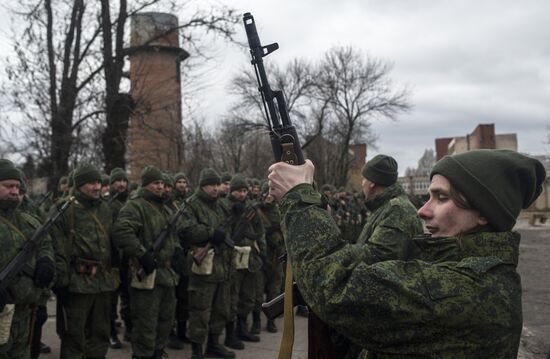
(9, 203)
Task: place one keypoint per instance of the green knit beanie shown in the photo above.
(179, 176)
(237, 182)
(8, 171)
(117, 174)
(23, 185)
(168, 180)
(209, 176)
(150, 174)
(226, 176)
(497, 183)
(86, 173)
(381, 169)
(105, 180)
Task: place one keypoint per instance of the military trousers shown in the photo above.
(182, 297)
(208, 308)
(152, 313)
(85, 332)
(273, 277)
(18, 346)
(243, 293)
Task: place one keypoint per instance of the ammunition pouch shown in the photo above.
(241, 257)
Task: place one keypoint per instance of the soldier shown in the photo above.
(15, 228)
(224, 185)
(152, 294)
(181, 190)
(85, 279)
(251, 238)
(208, 290)
(458, 294)
(275, 248)
(118, 195)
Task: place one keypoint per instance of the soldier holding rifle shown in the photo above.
(153, 278)
(19, 295)
(208, 289)
(457, 294)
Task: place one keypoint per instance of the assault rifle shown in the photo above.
(286, 147)
(162, 236)
(19, 263)
(249, 214)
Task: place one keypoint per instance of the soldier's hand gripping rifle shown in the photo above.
(162, 236)
(286, 147)
(20, 263)
(249, 214)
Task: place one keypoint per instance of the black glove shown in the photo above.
(178, 263)
(44, 272)
(148, 263)
(237, 208)
(61, 293)
(218, 236)
(3, 299)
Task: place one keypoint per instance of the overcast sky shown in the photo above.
(466, 62)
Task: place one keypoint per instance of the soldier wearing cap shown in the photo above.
(85, 277)
(153, 274)
(456, 294)
(17, 302)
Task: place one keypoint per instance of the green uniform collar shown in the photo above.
(392, 191)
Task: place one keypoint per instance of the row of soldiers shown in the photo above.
(207, 276)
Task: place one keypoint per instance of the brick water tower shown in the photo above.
(155, 130)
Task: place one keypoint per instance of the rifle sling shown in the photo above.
(12, 226)
(287, 342)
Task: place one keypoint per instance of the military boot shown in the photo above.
(196, 351)
(231, 339)
(271, 327)
(215, 350)
(174, 341)
(182, 331)
(242, 331)
(256, 323)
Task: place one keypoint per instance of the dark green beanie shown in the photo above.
(179, 176)
(8, 171)
(237, 182)
(497, 183)
(117, 174)
(23, 186)
(104, 180)
(150, 174)
(209, 176)
(381, 169)
(86, 173)
(168, 180)
(226, 177)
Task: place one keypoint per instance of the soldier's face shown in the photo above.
(367, 187)
(91, 189)
(239, 194)
(9, 190)
(156, 188)
(120, 185)
(211, 190)
(224, 187)
(181, 185)
(168, 191)
(442, 217)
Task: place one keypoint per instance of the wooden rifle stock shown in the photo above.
(201, 254)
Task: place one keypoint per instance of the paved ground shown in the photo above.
(534, 267)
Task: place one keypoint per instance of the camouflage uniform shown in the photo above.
(208, 294)
(182, 305)
(152, 310)
(452, 298)
(15, 228)
(85, 279)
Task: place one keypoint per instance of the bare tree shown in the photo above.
(425, 164)
(358, 91)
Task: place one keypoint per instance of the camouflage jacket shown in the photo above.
(81, 238)
(15, 228)
(271, 219)
(116, 203)
(452, 298)
(138, 224)
(253, 234)
(391, 223)
(201, 217)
